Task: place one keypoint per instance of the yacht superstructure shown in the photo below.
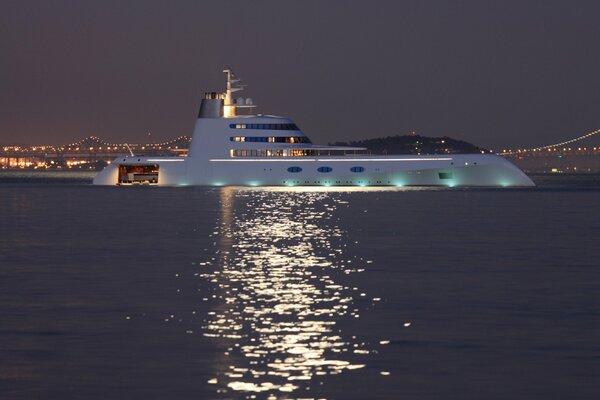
(232, 148)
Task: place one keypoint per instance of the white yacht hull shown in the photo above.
(444, 170)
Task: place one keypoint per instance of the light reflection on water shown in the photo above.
(277, 270)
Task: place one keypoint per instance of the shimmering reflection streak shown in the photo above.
(278, 256)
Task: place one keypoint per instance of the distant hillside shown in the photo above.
(414, 144)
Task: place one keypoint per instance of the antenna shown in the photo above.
(230, 80)
(129, 148)
(229, 104)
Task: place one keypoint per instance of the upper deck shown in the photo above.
(227, 128)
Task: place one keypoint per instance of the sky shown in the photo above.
(495, 73)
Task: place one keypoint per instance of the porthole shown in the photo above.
(357, 169)
(294, 169)
(324, 169)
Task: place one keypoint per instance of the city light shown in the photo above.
(88, 153)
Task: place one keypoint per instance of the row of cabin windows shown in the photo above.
(326, 169)
(272, 153)
(278, 127)
(442, 175)
(271, 139)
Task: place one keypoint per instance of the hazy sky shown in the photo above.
(496, 73)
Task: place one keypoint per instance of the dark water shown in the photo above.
(225, 293)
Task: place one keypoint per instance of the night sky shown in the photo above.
(495, 73)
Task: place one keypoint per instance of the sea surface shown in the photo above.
(291, 293)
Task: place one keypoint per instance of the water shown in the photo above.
(226, 293)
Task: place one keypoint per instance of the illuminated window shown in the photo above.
(271, 139)
(324, 169)
(279, 127)
(271, 153)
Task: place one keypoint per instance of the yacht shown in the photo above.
(232, 146)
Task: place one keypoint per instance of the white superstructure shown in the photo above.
(263, 150)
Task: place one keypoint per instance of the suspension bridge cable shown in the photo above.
(587, 135)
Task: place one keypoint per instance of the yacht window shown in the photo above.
(271, 139)
(294, 169)
(271, 153)
(324, 169)
(445, 175)
(280, 127)
(357, 169)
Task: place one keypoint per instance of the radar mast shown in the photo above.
(229, 104)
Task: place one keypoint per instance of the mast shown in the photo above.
(229, 104)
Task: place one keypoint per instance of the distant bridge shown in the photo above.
(558, 147)
(94, 152)
(568, 156)
(89, 150)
